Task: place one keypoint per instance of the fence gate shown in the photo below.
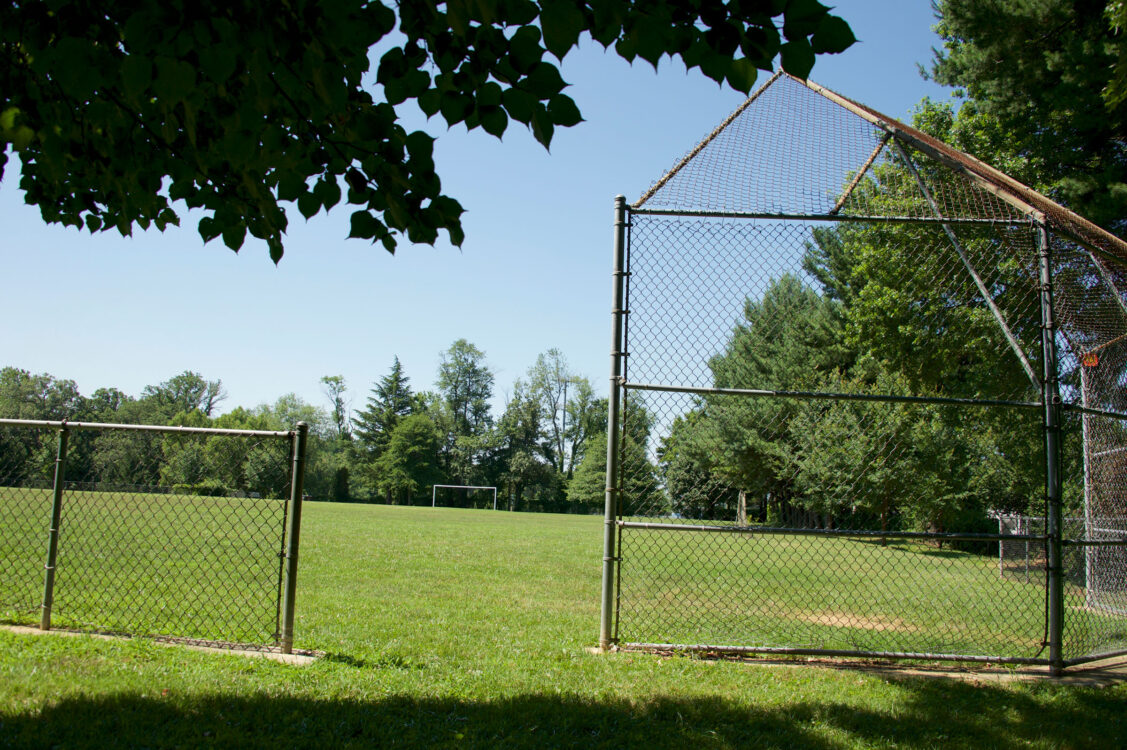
(843, 352)
(180, 532)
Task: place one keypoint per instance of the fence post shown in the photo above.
(613, 427)
(293, 533)
(1051, 400)
(53, 534)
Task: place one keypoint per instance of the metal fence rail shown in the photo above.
(188, 533)
(842, 353)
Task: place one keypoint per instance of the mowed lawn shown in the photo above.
(453, 628)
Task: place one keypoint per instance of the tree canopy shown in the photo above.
(119, 111)
(1044, 86)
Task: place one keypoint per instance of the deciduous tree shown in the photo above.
(118, 111)
(1036, 72)
(467, 385)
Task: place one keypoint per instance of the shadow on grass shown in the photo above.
(928, 550)
(921, 713)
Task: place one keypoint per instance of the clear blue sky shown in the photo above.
(534, 272)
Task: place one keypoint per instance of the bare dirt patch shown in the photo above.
(849, 620)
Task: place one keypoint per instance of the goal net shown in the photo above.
(463, 496)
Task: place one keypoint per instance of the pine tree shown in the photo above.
(389, 401)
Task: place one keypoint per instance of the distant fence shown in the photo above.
(177, 532)
(1098, 568)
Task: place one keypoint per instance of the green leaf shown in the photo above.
(519, 104)
(651, 39)
(136, 75)
(456, 233)
(420, 145)
(208, 228)
(416, 82)
(219, 63)
(520, 12)
(760, 46)
(489, 95)
(542, 127)
(291, 184)
(447, 207)
(429, 102)
(327, 191)
(801, 18)
(455, 106)
(8, 118)
(714, 66)
(742, 75)
(235, 235)
(561, 22)
(363, 226)
(21, 137)
(494, 121)
(563, 111)
(308, 205)
(356, 180)
(524, 49)
(167, 217)
(74, 71)
(544, 81)
(797, 58)
(175, 79)
(833, 36)
(395, 90)
(393, 65)
(625, 49)
(606, 23)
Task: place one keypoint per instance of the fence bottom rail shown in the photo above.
(837, 653)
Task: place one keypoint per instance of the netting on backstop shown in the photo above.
(846, 357)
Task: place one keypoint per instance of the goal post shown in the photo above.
(434, 491)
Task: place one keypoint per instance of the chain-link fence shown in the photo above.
(152, 531)
(852, 368)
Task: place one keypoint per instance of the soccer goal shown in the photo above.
(470, 491)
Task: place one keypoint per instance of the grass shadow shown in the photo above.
(924, 550)
(382, 662)
(926, 713)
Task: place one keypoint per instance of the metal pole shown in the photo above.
(1050, 398)
(53, 534)
(1015, 345)
(293, 534)
(1089, 567)
(613, 400)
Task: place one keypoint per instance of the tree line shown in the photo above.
(393, 449)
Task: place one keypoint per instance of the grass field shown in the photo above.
(453, 628)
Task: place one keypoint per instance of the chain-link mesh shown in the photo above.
(700, 285)
(833, 431)
(27, 461)
(175, 533)
(792, 151)
(830, 593)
